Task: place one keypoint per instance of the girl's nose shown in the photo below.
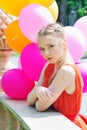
(47, 52)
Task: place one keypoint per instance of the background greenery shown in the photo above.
(79, 7)
(70, 11)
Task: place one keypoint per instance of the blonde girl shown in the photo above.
(60, 83)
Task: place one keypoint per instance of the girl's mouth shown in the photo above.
(50, 58)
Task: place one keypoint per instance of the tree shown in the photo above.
(77, 9)
(62, 4)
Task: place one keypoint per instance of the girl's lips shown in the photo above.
(50, 58)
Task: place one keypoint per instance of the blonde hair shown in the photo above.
(56, 30)
(53, 29)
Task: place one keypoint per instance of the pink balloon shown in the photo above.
(0, 82)
(81, 24)
(32, 18)
(16, 84)
(83, 69)
(76, 42)
(32, 61)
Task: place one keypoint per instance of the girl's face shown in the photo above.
(51, 48)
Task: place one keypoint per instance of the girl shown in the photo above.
(60, 83)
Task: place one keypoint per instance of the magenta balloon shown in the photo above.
(32, 18)
(32, 61)
(83, 69)
(0, 82)
(16, 84)
(76, 42)
(81, 24)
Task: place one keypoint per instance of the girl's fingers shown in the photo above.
(44, 96)
(49, 94)
(41, 98)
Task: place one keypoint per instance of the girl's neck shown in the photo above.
(65, 59)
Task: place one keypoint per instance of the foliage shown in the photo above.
(15, 53)
(73, 4)
(79, 5)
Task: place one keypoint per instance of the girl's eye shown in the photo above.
(51, 46)
(42, 49)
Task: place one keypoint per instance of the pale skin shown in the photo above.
(62, 79)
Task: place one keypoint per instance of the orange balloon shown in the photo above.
(13, 7)
(46, 3)
(53, 8)
(15, 38)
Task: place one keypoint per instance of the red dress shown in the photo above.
(68, 104)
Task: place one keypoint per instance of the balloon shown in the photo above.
(15, 38)
(83, 69)
(81, 24)
(76, 42)
(32, 18)
(16, 84)
(42, 2)
(0, 85)
(13, 7)
(32, 61)
(53, 8)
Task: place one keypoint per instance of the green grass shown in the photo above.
(15, 53)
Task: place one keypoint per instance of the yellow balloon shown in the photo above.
(15, 38)
(13, 7)
(53, 8)
(46, 3)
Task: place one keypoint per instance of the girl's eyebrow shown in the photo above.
(46, 45)
(49, 44)
(40, 47)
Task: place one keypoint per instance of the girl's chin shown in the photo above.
(53, 62)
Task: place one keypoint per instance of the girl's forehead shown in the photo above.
(49, 39)
(46, 40)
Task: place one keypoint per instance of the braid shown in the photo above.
(52, 30)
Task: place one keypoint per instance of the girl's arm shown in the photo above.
(64, 78)
(32, 97)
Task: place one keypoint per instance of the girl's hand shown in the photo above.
(43, 93)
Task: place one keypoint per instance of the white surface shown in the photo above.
(84, 104)
(14, 60)
(48, 120)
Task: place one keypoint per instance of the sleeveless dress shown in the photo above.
(68, 104)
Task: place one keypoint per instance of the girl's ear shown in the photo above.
(64, 44)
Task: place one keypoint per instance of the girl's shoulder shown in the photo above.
(69, 70)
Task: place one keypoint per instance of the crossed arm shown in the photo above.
(43, 97)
